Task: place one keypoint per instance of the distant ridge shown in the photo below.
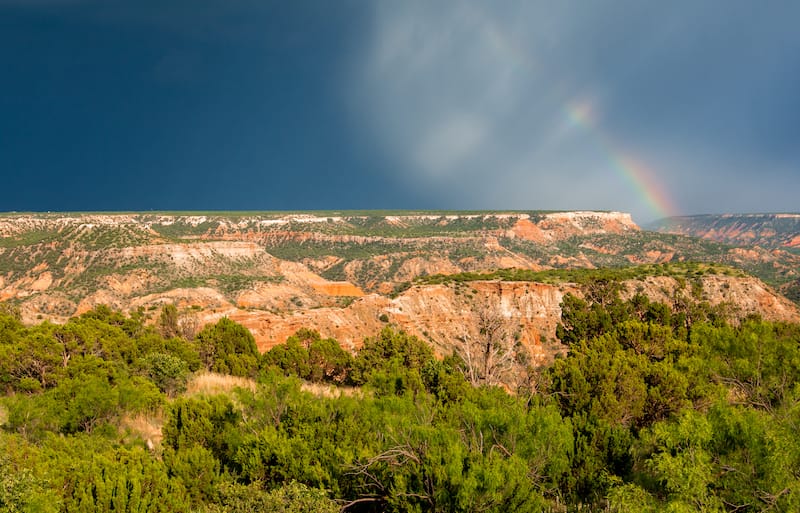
(766, 230)
(279, 271)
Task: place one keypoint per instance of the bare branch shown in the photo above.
(490, 351)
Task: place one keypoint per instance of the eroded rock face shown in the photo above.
(744, 295)
(764, 230)
(339, 273)
(445, 314)
(440, 314)
(118, 256)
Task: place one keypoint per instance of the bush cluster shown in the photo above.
(653, 408)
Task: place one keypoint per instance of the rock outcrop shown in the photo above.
(348, 274)
(763, 230)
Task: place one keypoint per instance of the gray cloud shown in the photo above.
(197, 19)
(40, 3)
(473, 100)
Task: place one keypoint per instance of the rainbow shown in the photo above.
(641, 178)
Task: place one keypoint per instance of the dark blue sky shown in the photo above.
(685, 107)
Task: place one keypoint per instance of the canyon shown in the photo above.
(774, 231)
(349, 274)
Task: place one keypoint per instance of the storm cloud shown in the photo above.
(655, 108)
(539, 104)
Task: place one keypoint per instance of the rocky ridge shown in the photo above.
(345, 274)
(773, 231)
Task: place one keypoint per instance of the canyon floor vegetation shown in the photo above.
(651, 409)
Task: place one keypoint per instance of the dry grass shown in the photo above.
(146, 427)
(330, 391)
(211, 383)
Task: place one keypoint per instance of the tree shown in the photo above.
(172, 323)
(490, 353)
(307, 355)
(329, 362)
(198, 471)
(681, 463)
(168, 321)
(36, 355)
(390, 350)
(581, 320)
(291, 357)
(21, 489)
(169, 373)
(229, 348)
(124, 481)
(291, 497)
(204, 422)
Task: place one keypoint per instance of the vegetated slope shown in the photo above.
(344, 273)
(447, 308)
(656, 407)
(791, 290)
(56, 265)
(766, 245)
(772, 231)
